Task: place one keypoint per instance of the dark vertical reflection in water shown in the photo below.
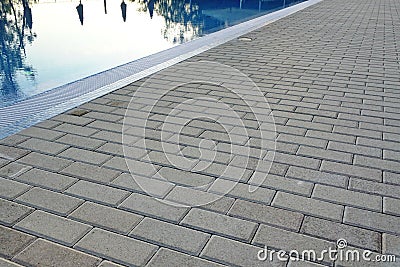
(15, 31)
(79, 8)
(123, 10)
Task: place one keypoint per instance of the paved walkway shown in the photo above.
(331, 75)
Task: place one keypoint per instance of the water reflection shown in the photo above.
(15, 33)
(123, 9)
(64, 51)
(79, 8)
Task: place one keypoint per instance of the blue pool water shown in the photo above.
(48, 43)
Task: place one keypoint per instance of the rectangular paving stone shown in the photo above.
(13, 170)
(80, 141)
(118, 163)
(91, 172)
(141, 168)
(310, 125)
(281, 183)
(352, 170)
(291, 115)
(302, 140)
(380, 114)
(392, 136)
(333, 231)
(49, 124)
(13, 140)
(77, 120)
(318, 112)
(106, 217)
(149, 206)
(11, 189)
(170, 235)
(98, 107)
(375, 188)
(331, 121)
(96, 192)
(382, 144)
(347, 197)
(297, 160)
(242, 191)
(279, 239)
(234, 253)
(391, 244)
(358, 132)
(45, 161)
(221, 205)
(308, 206)
(167, 257)
(266, 214)
(232, 173)
(391, 206)
(12, 153)
(44, 146)
(108, 136)
(387, 165)
(41, 133)
(391, 178)
(355, 149)
(11, 212)
(49, 201)
(103, 116)
(331, 136)
(128, 182)
(83, 155)
(386, 129)
(372, 220)
(391, 155)
(319, 177)
(75, 129)
(117, 248)
(45, 253)
(215, 223)
(325, 154)
(192, 197)
(113, 149)
(276, 168)
(4, 162)
(53, 227)
(7, 263)
(103, 125)
(13, 241)
(186, 178)
(46, 179)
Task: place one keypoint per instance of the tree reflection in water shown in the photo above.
(183, 19)
(188, 19)
(15, 32)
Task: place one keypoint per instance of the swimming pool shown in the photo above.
(46, 44)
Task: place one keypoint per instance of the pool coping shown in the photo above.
(43, 106)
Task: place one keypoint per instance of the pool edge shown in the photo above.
(31, 111)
